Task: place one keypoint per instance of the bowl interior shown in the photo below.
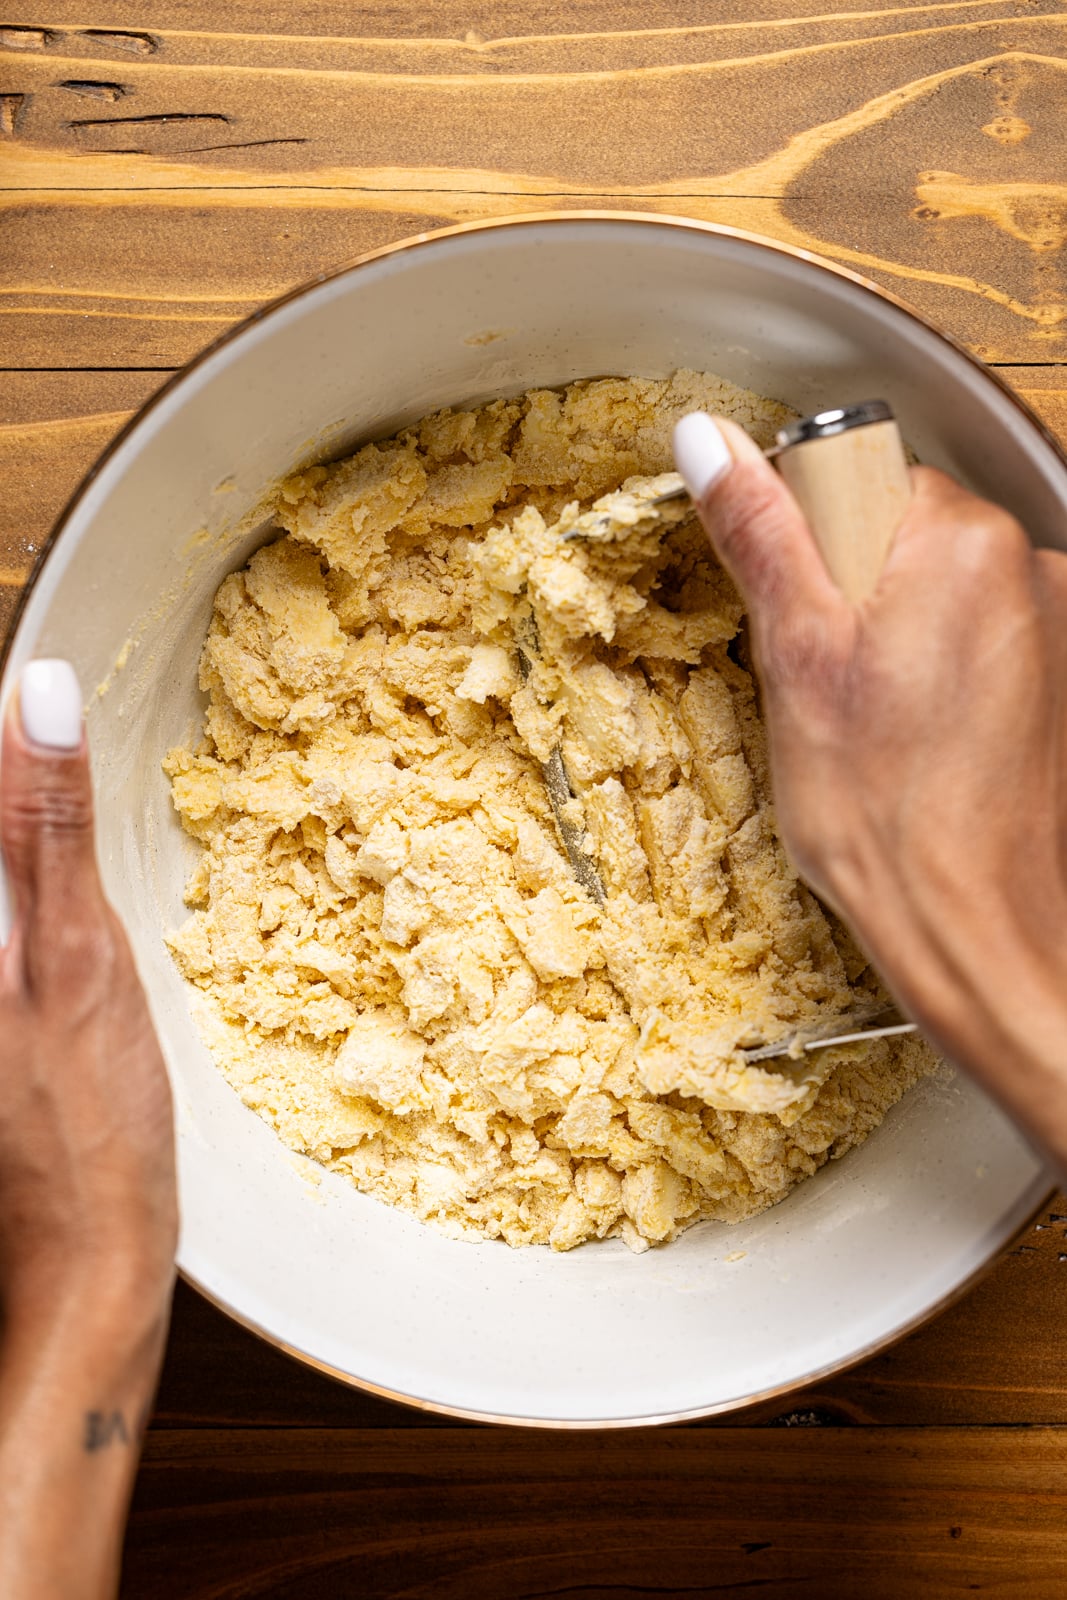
(598, 1336)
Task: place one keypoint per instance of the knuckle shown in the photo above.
(809, 849)
(998, 525)
(801, 651)
(932, 485)
(982, 525)
(1012, 535)
(993, 543)
(747, 510)
(49, 811)
(830, 853)
(811, 838)
(78, 958)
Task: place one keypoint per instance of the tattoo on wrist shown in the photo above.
(106, 1428)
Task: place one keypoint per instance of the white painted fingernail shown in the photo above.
(50, 704)
(700, 453)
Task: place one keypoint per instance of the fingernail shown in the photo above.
(50, 705)
(700, 452)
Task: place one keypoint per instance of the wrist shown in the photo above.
(985, 977)
(116, 1298)
(90, 1364)
(1014, 1039)
(79, 1364)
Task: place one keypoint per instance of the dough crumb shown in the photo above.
(396, 965)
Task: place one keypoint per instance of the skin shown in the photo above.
(88, 1210)
(919, 757)
(919, 752)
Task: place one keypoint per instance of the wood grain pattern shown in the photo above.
(163, 172)
(461, 1515)
(53, 425)
(252, 150)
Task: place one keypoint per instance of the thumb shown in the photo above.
(756, 527)
(46, 805)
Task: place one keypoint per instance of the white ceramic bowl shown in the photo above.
(599, 1337)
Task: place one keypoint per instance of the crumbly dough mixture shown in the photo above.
(399, 970)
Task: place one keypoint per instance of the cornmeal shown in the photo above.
(400, 971)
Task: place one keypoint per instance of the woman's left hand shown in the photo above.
(88, 1207)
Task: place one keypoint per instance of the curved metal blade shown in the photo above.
(559, 791)
(848, 1027)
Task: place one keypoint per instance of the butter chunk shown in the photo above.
(551, 943)
(490, 672)
(382, 1059)
(307, 643)
(347, 510)
(653, 1197)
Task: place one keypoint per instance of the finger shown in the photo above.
(755, 525)
(46, 807)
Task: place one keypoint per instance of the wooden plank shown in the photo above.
(148, 277)
(918, 143)
(593, 48)
(1045, 389)
(452, 21)
(53, 425)
(461, 1514)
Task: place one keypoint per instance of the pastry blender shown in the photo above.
(849, 474)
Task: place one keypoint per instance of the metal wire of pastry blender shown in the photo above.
(857, 1026)
(558, 787)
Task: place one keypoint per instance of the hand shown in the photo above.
(919, 754)
(86, 1143)
(88, 1211)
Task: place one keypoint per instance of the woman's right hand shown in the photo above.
(919, 754)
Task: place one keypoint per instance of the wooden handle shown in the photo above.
(854, 489)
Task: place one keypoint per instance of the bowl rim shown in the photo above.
(1006, 1239)
(1015, 1223)
(485, 225)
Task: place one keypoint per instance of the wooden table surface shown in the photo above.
(160, 180)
